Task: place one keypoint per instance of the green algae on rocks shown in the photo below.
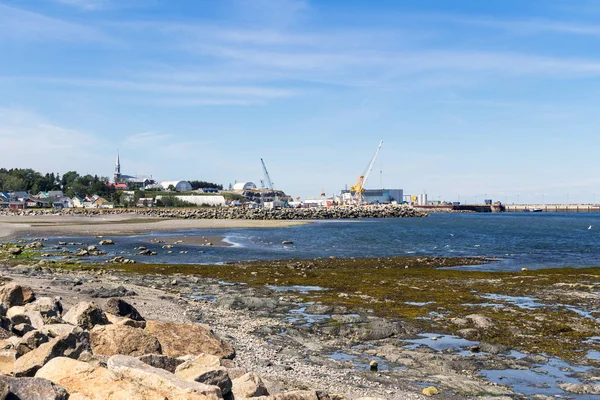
(543, 311)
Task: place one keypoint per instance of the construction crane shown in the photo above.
(359, 187)
(267, 179)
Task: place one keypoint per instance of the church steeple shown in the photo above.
(117, 169)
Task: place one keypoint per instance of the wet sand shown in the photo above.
(121, 224)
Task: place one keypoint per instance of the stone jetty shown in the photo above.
(313, 213)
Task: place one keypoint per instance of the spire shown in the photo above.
(117, 169)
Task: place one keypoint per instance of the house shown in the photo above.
(20, 195)
(118, 186)
(77, 201)
(49, 194)
(100, 201)
(61, 202)
(16, 205)
(145, 202)
(37, 203)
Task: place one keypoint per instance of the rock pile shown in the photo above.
(313, 213)
(91, 353)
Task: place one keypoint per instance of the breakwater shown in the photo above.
(339, 212)
(585, 208)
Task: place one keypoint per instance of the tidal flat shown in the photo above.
(425, 320)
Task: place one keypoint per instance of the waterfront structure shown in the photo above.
(378, 196)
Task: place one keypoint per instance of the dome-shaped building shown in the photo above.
(244, 186)
(180, 186)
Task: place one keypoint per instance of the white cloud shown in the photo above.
(16, 23)
(30, 141)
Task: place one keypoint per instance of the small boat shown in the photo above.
(537, 210)
(526, 210)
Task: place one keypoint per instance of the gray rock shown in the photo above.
(30, 341)
(161, 361)
(104, 293)
(3, 309)
(22, 329)
(13, 294)
(580, 388)
(86, 315)
(32, 389)
(237, 302)
(48, 307)
(71, 345)
(122, 308)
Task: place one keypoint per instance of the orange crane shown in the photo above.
(358, 189)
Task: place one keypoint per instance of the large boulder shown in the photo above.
(248, 385)
(8, 357)
(30, 341)
(161, 361)
(109, 340)
(122, 308)
(178, 339)
(96, 383)
(210, 375)
(33, 389)
(86, 315)
(116, 320)
(13, 294)
(50, 308)
(56, 330)
(159, 379)
(71, 345)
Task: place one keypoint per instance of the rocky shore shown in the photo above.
(314, 213)
(67, 337)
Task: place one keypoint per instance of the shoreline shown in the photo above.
(121, 224)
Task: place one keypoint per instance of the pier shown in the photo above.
(552, 207)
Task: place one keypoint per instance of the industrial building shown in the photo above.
(241, 186)
(380, 196)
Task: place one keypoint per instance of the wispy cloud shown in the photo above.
(35, 142)
(17, 23)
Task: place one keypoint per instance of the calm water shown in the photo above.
(531, 240)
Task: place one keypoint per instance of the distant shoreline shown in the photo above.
(121, 224)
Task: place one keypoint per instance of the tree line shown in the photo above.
(71, 183)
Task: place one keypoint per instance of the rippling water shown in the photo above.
(532, 240)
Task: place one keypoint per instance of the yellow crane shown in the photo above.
(358, 189)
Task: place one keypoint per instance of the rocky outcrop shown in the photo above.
(248, 386)
(32, 389)
(86, 315)
(177, 339)
(159, 379)
(108, 340)
(122, 308)
(71, 345)
(13, 294)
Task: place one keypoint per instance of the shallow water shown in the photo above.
(532, 240)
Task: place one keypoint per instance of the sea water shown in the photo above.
(515, 240)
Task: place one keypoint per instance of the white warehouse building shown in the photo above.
(244, 186)
(180, 186)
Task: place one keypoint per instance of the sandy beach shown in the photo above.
(120, 224)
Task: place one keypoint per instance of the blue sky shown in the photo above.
(472, 99)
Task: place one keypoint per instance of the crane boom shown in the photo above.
(371, 165)
(359, 186)
(267, 177)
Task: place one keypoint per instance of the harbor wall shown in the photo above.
(553, 207)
